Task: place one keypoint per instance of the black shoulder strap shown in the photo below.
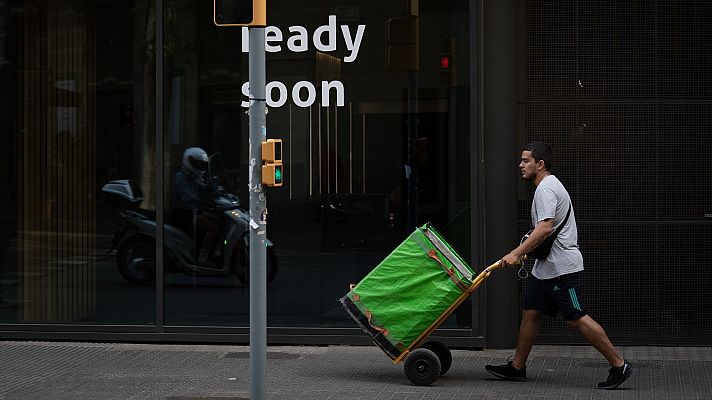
(558, 230)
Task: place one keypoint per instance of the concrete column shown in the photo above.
(500, 154)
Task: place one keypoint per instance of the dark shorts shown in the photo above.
(551, 296)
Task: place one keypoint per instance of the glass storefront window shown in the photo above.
(371, 102)
(77, 112)
(339, 92)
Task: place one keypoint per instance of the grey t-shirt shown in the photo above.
(551, 200)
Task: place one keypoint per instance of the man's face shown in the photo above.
(527, 166)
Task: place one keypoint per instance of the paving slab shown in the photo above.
(67, 370)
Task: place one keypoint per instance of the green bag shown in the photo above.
(409, 290)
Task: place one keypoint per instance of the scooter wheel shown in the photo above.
(443, 353)
(242, 271)
(136, 260)
(422, 367)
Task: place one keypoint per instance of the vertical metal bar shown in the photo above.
(328, 149)
(258, 217)
(311, 162)
(46, 224)
(159, 166)
(336, 149)
(351, 148)
(319, 145)
(476, 192)
(290, 151)
(363, 150)
(54, 63)
(90, 163)
(411, 163)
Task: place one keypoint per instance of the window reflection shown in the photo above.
(343, 118)
(76, 114)
(77, 223)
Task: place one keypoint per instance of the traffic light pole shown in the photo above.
(412, 148)
(258, 216)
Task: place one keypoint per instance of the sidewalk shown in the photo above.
(43, 370)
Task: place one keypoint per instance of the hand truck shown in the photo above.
(408, 295)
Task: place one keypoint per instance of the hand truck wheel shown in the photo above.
(443, 354)
(422, 367)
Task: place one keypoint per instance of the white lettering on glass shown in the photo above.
(298, 93)
(323, 39)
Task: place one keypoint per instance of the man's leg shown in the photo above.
(208, 228)
(596, 335)
(593, 332)
(535, 302)
(516, 370)
(528, 332)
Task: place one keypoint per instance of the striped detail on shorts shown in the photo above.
(574, 299)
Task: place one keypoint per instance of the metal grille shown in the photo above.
(623, 93)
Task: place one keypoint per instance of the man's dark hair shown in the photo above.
(540, 151)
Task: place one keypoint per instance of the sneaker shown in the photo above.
(616, 376)
(508, 372)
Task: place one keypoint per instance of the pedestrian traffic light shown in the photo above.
(272, 150)
(240, 12)
(403, 30)
(446, 62)
(272, 169)
(272, 174)
(446, 70)
(403, 57)
(403, 43)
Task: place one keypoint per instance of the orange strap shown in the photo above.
(356, 297)
(449, 271)
(383, 331)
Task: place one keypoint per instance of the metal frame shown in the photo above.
(160, 167)
(209, 334)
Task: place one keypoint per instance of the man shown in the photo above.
(192, 197)
(554, 282)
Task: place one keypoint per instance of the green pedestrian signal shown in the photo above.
(272, 174)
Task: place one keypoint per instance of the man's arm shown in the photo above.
(541, 231)
(186, 198)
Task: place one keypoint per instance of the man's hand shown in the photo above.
(511, 259)
(538, 235)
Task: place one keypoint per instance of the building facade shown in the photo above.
(391, 114)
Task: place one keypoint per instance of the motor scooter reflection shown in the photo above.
(135, 240)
